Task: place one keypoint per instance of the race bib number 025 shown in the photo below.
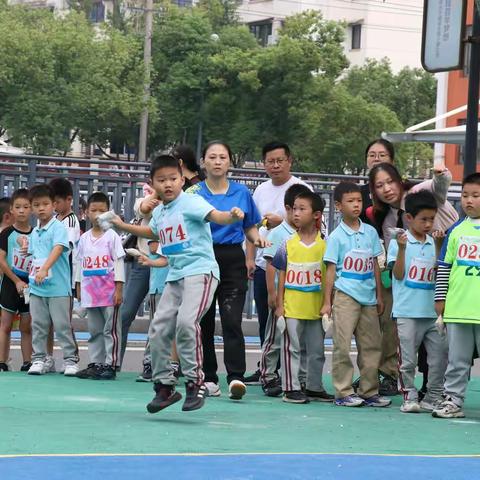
(306, 277)
(421, 273)
(358, 265)
(173, 235)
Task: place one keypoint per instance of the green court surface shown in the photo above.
(57, 415)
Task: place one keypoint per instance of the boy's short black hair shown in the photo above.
(5, 203)
(345, 187)
(274, 146)
(20, 193)
(163, 161)
(61, 187)
(40, 191)
(292, 192)
(317, 202)
(473, 178)
(418, 201)
(98, 197)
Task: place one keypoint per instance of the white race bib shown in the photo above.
(36, 266)
(358, 265)
(95, 266)
(173, 235)
(306, 277)
(468, 253)
(21, 264)
(421, 273)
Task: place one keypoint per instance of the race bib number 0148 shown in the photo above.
(306, 277)
(173, 235)
(468, 253)
(358, 265)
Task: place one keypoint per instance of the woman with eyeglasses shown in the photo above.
(228, 241)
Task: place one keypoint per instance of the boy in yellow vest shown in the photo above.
(300, 297)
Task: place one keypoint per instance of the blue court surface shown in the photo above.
(244, 466)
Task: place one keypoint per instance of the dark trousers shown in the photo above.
(230, 294)
(260, 294)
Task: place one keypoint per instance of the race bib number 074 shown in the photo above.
(173, 235)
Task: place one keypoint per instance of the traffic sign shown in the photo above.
(443, 34)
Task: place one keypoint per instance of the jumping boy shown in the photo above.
(412, 257)
(300, 299)
(456, 298)
(352, 268)
(99, 282)
(181, 224)
(15, 266)
(50, 284)
(271, 347)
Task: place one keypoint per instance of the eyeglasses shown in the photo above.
(272, 161)
(379, 155)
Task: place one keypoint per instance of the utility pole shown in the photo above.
(471, 137)
(147, 59)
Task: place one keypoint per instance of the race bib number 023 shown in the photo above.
(358, 265)
(421, 273)
(306, 277)
(468, 253)
(173, 235)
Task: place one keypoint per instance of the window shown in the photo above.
(461, 147)
(356, 36)
(261, 31)
(97, 13)
(184, 3)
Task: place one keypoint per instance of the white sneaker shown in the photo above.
(448, 409)
(38, 368)
(50, 364)
(213, 389)
(71, 369)
(410, 406)
(236, 390)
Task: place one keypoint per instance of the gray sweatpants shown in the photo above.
(105, 335)
(312, 333)
(56, 310)
(271, 349)
(154, 298)
(411, 333)
(462, 338)
(181, 307)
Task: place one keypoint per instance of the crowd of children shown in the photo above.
(312, 283)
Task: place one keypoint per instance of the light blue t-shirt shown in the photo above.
(185, 236)
(354, 253)
(42, 240)
(277, 236)
(158, 276)
(413, 297)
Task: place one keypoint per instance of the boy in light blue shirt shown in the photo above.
(413, 258)
(352, 269)
(50, 284)
(271, 383)
(181, 225)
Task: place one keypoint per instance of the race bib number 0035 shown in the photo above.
(358, 265)
(173, 235)
(306, 277)
(421, 273)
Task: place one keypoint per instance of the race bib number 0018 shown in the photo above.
(421, 273)
(173, 235)
(468, 253)
(306, 277)
(358, 265)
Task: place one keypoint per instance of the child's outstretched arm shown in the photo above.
(138, 230)
(226, 218)
(153, 262)
(254, 237)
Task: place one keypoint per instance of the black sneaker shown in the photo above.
(388, 386)
(253, 379)
(25, 366)
(146, 375)
(272, 388)
(89, 372)
(321, 396)
(165, 395)
(195, 396)
(3, 367)
(106, 372)
(295, 396)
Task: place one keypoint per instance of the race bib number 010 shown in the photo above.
(95, 266)
(173, 235)
(421, 273)
(21, 264)
(358, 265)
(468, 253)
(306, 277)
